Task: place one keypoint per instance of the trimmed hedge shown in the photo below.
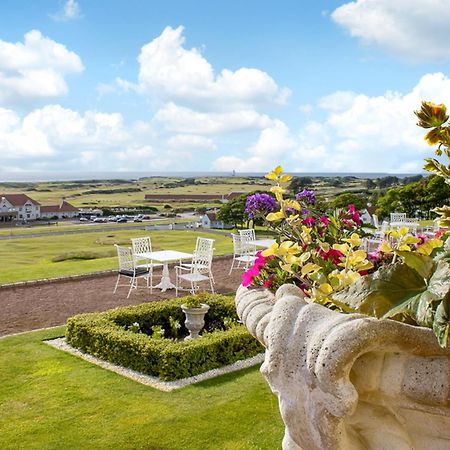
(104, 336)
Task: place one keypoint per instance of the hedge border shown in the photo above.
(104, 335)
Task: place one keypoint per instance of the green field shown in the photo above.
(62, 255)
(53, 400)
(70, 226)
(107, 193)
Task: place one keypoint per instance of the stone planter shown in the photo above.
(348, 381)
(195, 319)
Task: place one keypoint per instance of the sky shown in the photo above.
(195, 85)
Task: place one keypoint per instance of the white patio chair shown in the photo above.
(198, 271)
(143, 245)
(203, 256)
(381, 233)
(128, 269)
(243, 255)
(247, 236)
(375, 222)
(371, 244)
(398, 217)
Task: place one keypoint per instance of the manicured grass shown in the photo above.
(34, 258)
(52, 400)
(70, 226)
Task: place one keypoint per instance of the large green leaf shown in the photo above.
(441, 324)
(423, 264)
(378, 293)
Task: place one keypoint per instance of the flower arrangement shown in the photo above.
(407, 278)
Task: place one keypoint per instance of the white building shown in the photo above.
(25, 207)
(209, 220)
(61, 211)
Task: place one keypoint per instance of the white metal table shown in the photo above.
(265, 243)
(165, 257)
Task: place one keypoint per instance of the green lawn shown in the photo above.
(53, 400)
(70, 226)
(34, 258)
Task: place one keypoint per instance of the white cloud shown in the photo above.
(274, 144)
(173, 73)
(339, 100)
(70, 11)
(371, 134)
(35, 70)
(184, 120)
(191, 141)
(416, 30)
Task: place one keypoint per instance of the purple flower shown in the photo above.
(307, 196)
(259, 204)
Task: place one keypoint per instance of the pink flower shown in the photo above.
(325, 220)
(248, 275)
(354, 214)
(309, 221)
(267, 283)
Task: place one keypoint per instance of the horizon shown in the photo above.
(63, 177)
(313, 86)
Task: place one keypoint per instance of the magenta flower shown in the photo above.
(309, 221)
(325, 220)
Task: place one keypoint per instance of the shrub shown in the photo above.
(110, 336)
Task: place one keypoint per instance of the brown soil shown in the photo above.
(25, 308)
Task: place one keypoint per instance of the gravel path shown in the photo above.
(27, 308)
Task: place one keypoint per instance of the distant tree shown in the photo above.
(233, 211)
(386, 182)
(343, 200)
(299, 183)
(422, 195)
(411, 179)
(370, 184)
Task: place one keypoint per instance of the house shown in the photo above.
(209, 220)
(25, 207)
(61, 211)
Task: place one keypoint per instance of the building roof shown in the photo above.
(18, 199)
(211, 216)
(61, 208)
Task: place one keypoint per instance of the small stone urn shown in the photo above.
(195, 319)
(349, 381)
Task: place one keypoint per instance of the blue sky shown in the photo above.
(317, 86)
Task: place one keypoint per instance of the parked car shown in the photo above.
(84, 219)
(137, 219)
(122, 220)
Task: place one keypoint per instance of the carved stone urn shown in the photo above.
(348, 381)
(195, 319)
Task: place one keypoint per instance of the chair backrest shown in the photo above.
(237, 244)
(398, 217)
(375, 222)
(247, 235)
(141, 245)
(125, 256)
(203, 253)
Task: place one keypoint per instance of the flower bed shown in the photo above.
(133, 337)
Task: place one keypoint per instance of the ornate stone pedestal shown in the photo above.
(348, 381)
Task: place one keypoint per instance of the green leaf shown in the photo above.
(378, 293)
(441, 324)
(423, 264)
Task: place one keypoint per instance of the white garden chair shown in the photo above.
(128, 269)
(243, 255)
(247, 237)
(203, 255)
(397, 217)
(199, 270)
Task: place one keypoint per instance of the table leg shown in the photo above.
(165, 282)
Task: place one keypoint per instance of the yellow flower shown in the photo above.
(385, 247)
(354, 240)
(272, 217)
(310, 268)
(278, 191)
(429, 246)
